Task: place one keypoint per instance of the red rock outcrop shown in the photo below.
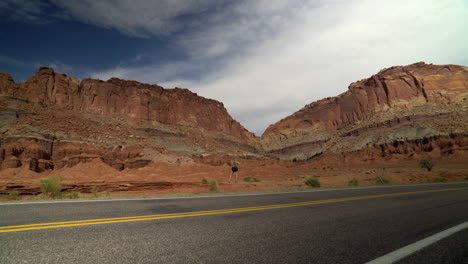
(45, 154)
(53, 121)
(126, 98)
(403, 92)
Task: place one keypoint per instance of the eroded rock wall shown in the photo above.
(126, 98)
(398, 92)
(41, 154)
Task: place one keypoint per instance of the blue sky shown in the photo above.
(263, 59)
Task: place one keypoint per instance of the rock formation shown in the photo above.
(398, 103)
(53, 121)
(130, 99)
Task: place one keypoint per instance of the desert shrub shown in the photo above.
(440, 179)
(382, 181)
(214, 186)
(353, 182)
(94, 190)
(72, 195)
(204, 181)
(313, 182)
(52, 186)
(426, 163)
(14, 195)
(251, 179)
(466, 178)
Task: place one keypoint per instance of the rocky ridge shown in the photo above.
(124, 98)
(52, 122)
(401, 103)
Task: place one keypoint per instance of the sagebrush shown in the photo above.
(313, 182)
(251, 179)
(427, 163)
(214, 186)
(353, 182)
(52, 186)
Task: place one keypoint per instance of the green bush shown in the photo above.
(204, 181)
(52, 186)
(313, 182)
(440, 179)
(353, 182)
(426, 163)
(14, 195)
(382, 181)
(214, 186)
(466, 178)
(94, 190)
(250, 179)
(72, 195)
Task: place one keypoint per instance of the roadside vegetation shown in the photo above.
(251, 179)
(353, 182)
(427, 163)
(313, 182)
(94, 191)
(214, 186)
(204, 181)
(72, 195)
(51, 186)
(13, 195)
(382, 181)
(440, 179)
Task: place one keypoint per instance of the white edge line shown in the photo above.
(403, 252)
(225, 195)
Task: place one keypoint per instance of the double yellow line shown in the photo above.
(16, 228)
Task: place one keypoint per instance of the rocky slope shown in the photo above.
(397, 106)
(130, 99)
(53, 121)
(121, 131)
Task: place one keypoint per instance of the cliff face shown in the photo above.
(53, 121)
(396, 103)
(126, 98)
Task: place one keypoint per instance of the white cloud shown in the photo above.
(23, 10)
(273, 57)
(140, 18)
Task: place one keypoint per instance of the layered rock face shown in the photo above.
(53, 121)
(130, 99)
(398, 103)
(45, 154)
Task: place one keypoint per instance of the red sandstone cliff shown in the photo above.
(413, 101)
(131, 99)
(111, 133)
(53, 121)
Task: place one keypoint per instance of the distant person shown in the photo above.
(234, 169)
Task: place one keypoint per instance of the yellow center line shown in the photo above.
(15, 228)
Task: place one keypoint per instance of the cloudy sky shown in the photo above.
(264, 59)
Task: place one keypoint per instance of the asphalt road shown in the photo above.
(307, 227)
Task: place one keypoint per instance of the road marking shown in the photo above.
(412, 248)
(16, 228)
(227, 195)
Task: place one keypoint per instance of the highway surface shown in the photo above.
(356, 225)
